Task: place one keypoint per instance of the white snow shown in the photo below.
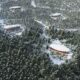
(40, 22)
(72, 30)
(64, 17)
(69, 56)
(18, 33)
(45, 27)
(1, 21)
(44, 7)
(23, 9)
(56, 60)
(33, 3)
(64, 40)
(38, 6)
(57, 45)
(46, 36)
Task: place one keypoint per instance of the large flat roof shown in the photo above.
(57, 45)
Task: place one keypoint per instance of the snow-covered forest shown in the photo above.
(39, 40)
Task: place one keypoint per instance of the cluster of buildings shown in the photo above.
(56, 47)
(13, 29)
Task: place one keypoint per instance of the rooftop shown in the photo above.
(14, 30)
(11, 26)
(55, 14)
(14, 7)
(57, 45)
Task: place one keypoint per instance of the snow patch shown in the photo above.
(44, 7)
(38, 6)
(33, 3)
(56, 60)
(43, 24)
(1, 22)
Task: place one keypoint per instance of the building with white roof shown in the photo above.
(11, 26)
(14, 8)
(59, 48)
(13, 30)
(56, 16)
